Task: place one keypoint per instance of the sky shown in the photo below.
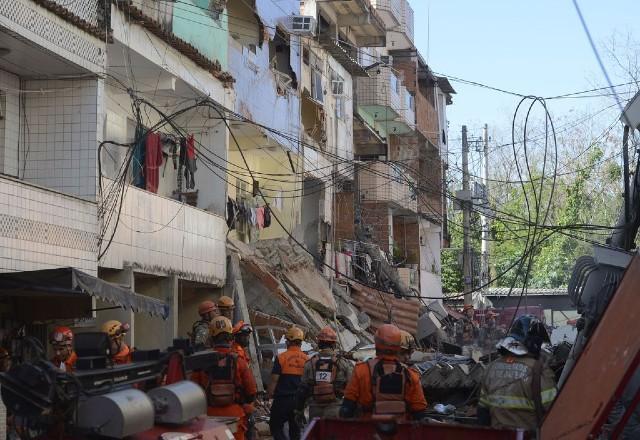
(533, 47)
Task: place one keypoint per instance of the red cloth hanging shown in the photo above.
(152, 162)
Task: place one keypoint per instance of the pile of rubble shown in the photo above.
(281, 281)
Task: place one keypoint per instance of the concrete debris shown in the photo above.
(428, 324)
(281, 280)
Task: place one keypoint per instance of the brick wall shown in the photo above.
(376, 216)
(430, 200)
(344, 216)
(406, 236)
(61, 135)
(42, 229)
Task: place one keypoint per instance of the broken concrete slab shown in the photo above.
(347, 339)
(315, 289)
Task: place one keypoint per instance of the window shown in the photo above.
(409, 101)
(395, 83)
(337, 89)
(316, 86)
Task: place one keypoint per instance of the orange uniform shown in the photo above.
(123, 356)
(240, 379)
(69, 364)
(239, 349)
(361, 390)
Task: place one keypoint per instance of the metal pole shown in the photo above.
(485, 218)
(466, 245)
(627, 200)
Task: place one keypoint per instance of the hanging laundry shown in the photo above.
(232, 213)
(190, 164)
(137, 162)
(260, 217)
(252, 217)
(152, 162)
(267, 216)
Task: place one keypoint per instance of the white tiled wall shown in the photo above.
(61, 134)
(42, 229)
(9, 125)
(162, 236)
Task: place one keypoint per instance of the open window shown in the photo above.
(244, 25)
(280, 60)
(317, 93)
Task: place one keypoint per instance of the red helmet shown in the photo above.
(327, 334)
(241, 327)
(61, 336)
(388, 338)
(206, 307)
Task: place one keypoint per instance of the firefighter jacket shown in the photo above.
(229, 386)
(240, 351)
(200, 334)
(384, 386)
(69, 365)
(508, 391)
(123, 356)
(324, 379)
(289, 366)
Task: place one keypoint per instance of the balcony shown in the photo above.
(44, 229)
(381, 102)
(363, 21)
(402, 35)
(343, 54)
(382, 182)
(161, 236)
(390, 11)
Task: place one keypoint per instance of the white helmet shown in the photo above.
(512, 345)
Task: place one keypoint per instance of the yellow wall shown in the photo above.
(273, 161)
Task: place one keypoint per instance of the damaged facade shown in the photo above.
(96, 177)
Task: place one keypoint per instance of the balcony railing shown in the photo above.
(383, 97)
(162, 235)
(383, 182)
(401, 36)
(390, 11)
(45, 229)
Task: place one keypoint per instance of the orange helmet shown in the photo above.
(407, 341)
(294, 334)
(388, 337)
(220, 324)
(224, 302)
(241, 327)
(115, 329)
(327, 334)
(61, 336)
(206, 307)
(467, 307)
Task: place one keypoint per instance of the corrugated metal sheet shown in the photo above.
(404, 312)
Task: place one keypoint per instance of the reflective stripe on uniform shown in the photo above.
(517, 402)
(507, 402)
(548, 395)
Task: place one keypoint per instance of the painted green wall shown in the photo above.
(193, 23)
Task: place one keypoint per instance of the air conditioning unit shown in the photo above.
(304, 25)
(386, 59)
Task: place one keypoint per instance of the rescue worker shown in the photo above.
(519, 386)
(285, 380)
(324, 379)
(64, 357)
(384, 388)
(226, 307)
(407, 346)
(241, 334)
(120, 351)
(469, 325)
(200, 329)
(229, 383)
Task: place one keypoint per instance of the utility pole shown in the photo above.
(466, 217)
(485, 219)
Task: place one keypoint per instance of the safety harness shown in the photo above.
(324, 371)
(388, 389)
(222, 387)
